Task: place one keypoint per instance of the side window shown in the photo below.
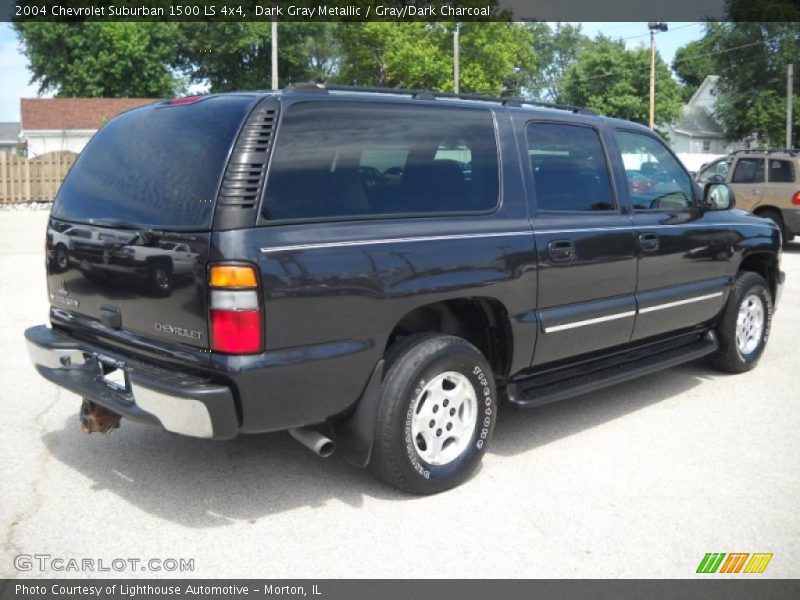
(781, 171)
(569, 168)
(336, 159)
(656, 180)
(749, 170)
(716, 172)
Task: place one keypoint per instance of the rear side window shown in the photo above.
(781, 171)
(749, 170)
(338, 159)
(569, 168)
(157, 166)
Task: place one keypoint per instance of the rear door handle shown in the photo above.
(561, 250)
(648, 242)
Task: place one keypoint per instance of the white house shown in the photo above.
(52, 124)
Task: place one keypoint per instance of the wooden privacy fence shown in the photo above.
(32, 179)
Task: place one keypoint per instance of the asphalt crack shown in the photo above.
(10, 547)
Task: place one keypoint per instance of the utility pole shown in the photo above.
(274, 53)
(654, 26)
(789, 104)
(456, 58)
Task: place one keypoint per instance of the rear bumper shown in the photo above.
(180, 402)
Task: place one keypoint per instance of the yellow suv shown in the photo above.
(765, 182)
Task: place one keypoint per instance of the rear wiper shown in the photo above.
(122, 224)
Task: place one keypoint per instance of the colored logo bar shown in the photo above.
(734, 562)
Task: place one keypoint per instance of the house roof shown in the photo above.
(73, 113)
(9, 132)
(698, 121)
(704, 90)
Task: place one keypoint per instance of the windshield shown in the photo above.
(158, 166)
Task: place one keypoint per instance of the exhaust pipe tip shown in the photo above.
(312, 439)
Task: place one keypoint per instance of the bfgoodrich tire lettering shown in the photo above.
(749, 297)
(417, 366)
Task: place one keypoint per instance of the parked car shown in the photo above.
(386, 317)
(765, 181)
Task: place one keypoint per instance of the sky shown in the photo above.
(14, 75)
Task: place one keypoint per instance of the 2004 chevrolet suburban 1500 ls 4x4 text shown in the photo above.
(372, 269)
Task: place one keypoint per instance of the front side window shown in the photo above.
(781, 171)
(716, 172)
(656, 180)
(569, 168)
(340, 159)
(749, 170)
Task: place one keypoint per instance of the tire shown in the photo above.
(160, 276)
(61, 259)
(749, 296)
(428, 440)
(776, 217)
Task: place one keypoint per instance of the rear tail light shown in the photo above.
(235, 315)
(796, 198)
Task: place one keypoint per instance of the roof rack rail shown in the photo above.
(789, 151)
(324, 88)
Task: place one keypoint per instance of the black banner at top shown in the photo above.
(398, 10)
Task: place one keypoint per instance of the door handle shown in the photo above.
(648, 242)
(561, 250)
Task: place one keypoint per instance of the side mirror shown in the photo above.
(718, 196)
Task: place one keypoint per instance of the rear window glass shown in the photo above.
(569, 168)
(157, 166)
(749, 170)
(781, 171)
(335, 159)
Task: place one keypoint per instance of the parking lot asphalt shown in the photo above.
(638, 480)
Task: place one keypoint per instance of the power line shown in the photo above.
(614, 74)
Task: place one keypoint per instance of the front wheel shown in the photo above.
(436, 414)
(744, 328)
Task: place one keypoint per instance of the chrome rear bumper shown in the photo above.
(179, 402)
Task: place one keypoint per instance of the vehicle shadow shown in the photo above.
(200, 483)
(523, 430)
(792, 247)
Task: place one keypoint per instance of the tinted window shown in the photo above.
(781, 171)
(569, 168)
(749, 170)
(716, 172)
(157, 166)
(656, 180)
(335, 159)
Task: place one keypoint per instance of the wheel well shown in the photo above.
(764, 264)
(481, 321)
(160, 260)
(759, 210)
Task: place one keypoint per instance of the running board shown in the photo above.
(537, 390)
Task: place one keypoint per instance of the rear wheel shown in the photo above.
(160, 276)
(436, 414)
(744, 328)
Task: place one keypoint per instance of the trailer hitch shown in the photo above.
(95, 418)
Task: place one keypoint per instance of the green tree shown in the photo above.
(403, 55)
(692, 64)
(557, 50)
(751, 60)
(101, 59)
(237, 56)
(614, 81)
(495, 57)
